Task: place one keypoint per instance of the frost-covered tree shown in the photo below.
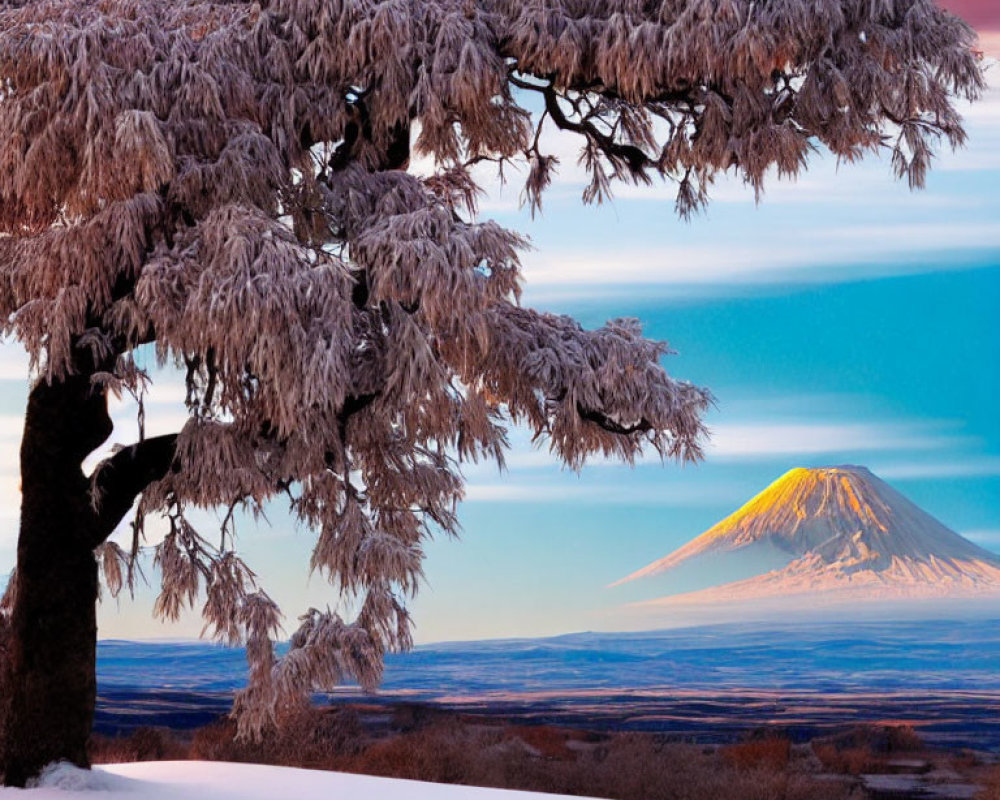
(226, 183)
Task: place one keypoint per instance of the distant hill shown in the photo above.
(842, 533)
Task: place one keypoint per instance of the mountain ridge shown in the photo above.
(845, 531)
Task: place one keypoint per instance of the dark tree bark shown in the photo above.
(50, 663)
(49, 669)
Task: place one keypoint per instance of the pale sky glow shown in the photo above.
(897, 247)
(843, 320)
(986, 538)
(778, 438)
(513, 492)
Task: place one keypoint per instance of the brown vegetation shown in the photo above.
(866, 749)
(849, 761)
(991, 786)
(144, 744)
(770, 752)
(449, 748)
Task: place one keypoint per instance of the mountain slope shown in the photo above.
(845, 532)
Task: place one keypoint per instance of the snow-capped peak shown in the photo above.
(835, 524)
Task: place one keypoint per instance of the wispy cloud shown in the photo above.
(986, 537)
(808, 256)
(972, 467)
(766, 439)
(660, 494)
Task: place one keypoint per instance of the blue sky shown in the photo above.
(844, 320)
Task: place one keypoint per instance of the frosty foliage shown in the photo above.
(226, 181)
(118, 567)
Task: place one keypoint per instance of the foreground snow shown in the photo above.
(212, 780)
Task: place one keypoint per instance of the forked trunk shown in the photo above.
(50, 666)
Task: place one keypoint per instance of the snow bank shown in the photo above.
(211, 780)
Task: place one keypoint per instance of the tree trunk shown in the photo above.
(50, 668)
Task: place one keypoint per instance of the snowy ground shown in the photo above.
(204, 780)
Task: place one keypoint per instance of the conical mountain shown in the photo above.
(840, 527)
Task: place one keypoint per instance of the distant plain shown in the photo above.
(711, 683)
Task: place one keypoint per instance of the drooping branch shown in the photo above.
(352, 405)
(636, 160)
(124, 476)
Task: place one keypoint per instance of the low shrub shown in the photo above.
(441, 753)
(143, 744)
(991, 786)
(866, 748)
(772, 753)
(315, 738)
(547, 741)
(847, 760)
(903, 739)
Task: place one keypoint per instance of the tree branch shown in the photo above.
(604, 421)
(636, 160)
(397, 154)
(121, 478)
(353, 405)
